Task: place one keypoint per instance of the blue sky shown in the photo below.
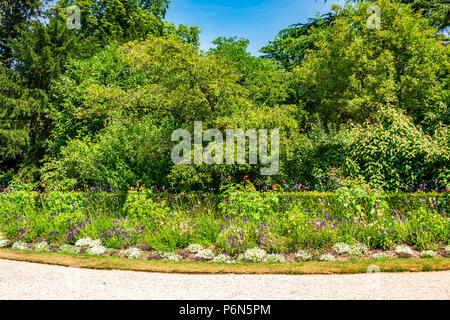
(257, 20)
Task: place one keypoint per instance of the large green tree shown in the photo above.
(289, 47)
(119, 20)
(37, 52)
(164, 76)
(265, 83)
(13, 14)
(355, 69)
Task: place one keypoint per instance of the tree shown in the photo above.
(189, 34)
(42, 50)
(41, 54)
(356, 69)
(265, 83)
(161, 76)
(37, 53)
(437, 11)
(13, 15)
(119, 20)
(289, 48)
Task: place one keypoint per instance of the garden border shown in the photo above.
(294, 268)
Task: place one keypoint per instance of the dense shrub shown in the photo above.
(393, 153)
(126, 153)
(234, 221)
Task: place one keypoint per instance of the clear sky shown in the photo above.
(257, 20)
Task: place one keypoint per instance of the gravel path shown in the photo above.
(23, 280)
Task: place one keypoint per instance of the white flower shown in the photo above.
(447, 249)
(169, 255)
(341, 248)
(41, 246)
(65, 248)
(361, 247)
(2, 237)
(222, 258)
(133, 253)
(255, 254)
(88, 242)
(303, 255)
(174, 257)
(20, 245)
(357, 251)
(205, 254)
(404, 250)
(379, 255)
(96, 250)
(194, 248)
(4, 243)
(327, 257)
(75, 250)
(275, 258)
(427, 254)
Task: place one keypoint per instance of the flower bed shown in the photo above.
(212, 255)
(239, 225)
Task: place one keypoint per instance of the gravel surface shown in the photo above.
(24, 280)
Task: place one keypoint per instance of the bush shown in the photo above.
(244, 200)
(125, 153)
(142, 208)
(206, 230)
(395, 154)
(255, 255)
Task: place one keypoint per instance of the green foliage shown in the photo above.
(206, 231)
(141, 207)
(314, 220)
(174, 233)
(13, 14)
(127, 152)
(237, 235)
(291, 45)
(265, 83)
(270, 238)
(96, 106)
(361, 202)
(318, 157)
(20, 108)
(393, 153)
(189, 34)
(245, 201)
(164, 78)
(357, 69)
(118, 20)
